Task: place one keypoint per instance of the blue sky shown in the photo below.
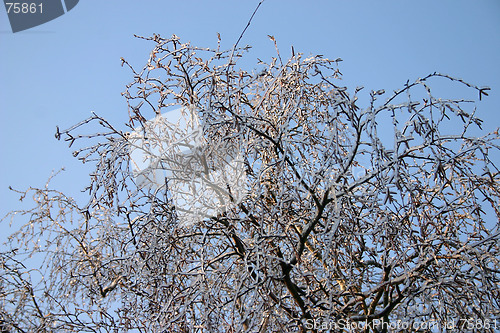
(59, 72)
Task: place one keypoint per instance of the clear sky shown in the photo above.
(59, 72)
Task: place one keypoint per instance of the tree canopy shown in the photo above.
(363, 215)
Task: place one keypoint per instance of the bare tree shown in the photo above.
(352, 219)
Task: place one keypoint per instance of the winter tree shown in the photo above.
(269, 200)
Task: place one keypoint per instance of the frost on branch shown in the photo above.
(367, 213)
